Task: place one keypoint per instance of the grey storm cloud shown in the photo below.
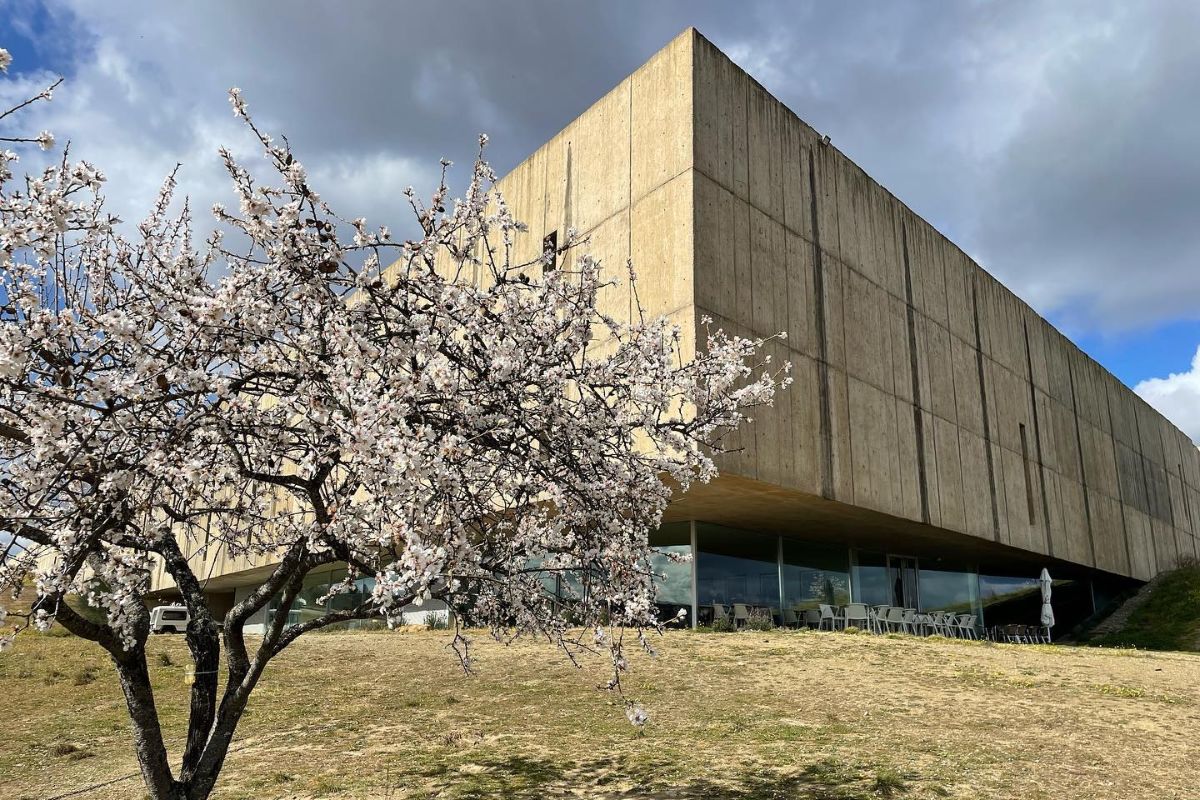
(1054, 142)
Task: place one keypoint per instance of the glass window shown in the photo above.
(1009, 600)
(734, 566)
(814, 574)
(309, 605)
(949, 589)
(673, 578)
(871, 580)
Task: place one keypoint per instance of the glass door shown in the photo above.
(902, 579)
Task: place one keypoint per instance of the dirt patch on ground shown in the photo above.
(748, 715)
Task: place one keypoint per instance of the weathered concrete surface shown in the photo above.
(916, 371)
(926, 390)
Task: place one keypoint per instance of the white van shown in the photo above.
(169, 619)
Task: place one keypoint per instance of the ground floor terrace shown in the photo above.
(788, 578)
(780, 554)
(714, 571)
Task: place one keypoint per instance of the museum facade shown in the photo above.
(941, 444)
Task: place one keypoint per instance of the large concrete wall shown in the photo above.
(924, 388)
(620, 174)
(915, 369)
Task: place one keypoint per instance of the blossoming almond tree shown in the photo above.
(430, 413)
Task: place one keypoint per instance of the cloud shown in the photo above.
(1177, 396)
(1053, 141)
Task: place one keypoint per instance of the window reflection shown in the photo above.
(952, 590)
(871, 580)
(673, 581)
(814, 574)
(311, 602)
(736, 567)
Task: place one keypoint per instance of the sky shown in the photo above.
(1056, 143)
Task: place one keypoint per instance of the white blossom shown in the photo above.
(45, 140)
(458, 426)
(5, 59)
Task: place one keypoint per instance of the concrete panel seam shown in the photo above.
(987, 436)
(918, 419)
(1037, 440)
(1137, 426)
(1120, 491)
(822, 338)
(1087, 501)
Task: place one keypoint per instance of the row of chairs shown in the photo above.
(891, 619)
(1020, 634)
(739, 613)
(885, 619)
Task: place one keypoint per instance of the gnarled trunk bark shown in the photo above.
(147, 733)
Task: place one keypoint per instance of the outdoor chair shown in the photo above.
(790, 619)
(741, 614)
(879, 617)
(909, 615)
(895, 620)
(856, 615)
(966, 626)
(922, 624)
(812, 618)
(719, 613)
(828, 615)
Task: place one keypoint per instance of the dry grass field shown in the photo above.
(747, 715)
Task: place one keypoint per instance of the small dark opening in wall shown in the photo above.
(550, 251)
(1028, 476)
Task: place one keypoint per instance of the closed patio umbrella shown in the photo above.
(1047, 610)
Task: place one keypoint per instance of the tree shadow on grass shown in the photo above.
(521, 778)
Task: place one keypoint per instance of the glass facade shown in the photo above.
(735, 567)
(309, 604)
(673, 577)
(869, 576)
(814, 574)
(949, 589)
(784, 576)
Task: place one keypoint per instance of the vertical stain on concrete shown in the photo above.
(1037, 441)
(1120, 487)
(1087, 501)
(567, 193)
(918, 419)
(822, 338)
(1151, 511)
(987, 430)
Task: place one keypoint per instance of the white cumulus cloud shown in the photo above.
(1177, 396)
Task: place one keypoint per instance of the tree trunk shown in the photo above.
(147, 734)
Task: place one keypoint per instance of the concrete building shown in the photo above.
(942, 442)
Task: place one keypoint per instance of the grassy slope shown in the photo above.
(1168, 620)
(748, 715)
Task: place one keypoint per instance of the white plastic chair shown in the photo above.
(879, 614)
(895, 619)
(741, 614)
(856, 614)
(828, 615)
